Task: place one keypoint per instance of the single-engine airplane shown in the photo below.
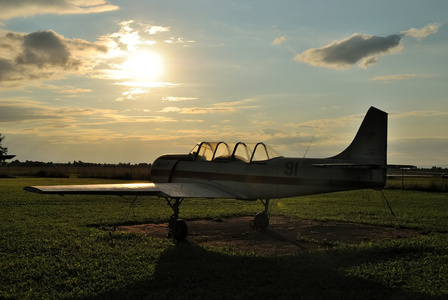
(253, 172)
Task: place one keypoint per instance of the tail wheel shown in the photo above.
(261, 221)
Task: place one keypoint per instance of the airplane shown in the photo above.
(253, 172)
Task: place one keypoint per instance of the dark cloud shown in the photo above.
(361, 49)
(45, 48)
(357, 48)
(44, 55)
(6, 69)
(82, 45)
(20, 111)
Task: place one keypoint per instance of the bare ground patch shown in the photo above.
(284, 236)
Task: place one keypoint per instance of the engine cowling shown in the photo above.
(163, 167)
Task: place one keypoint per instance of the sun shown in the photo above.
(143, 66)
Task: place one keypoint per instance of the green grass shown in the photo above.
(54, 247)
(430, 184)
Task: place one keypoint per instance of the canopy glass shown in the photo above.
(231, 152)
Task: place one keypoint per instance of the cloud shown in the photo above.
(272, 132)
(360, 48)
(419, 113)
(128, 38)
(223, 107)
(179, 40)
(156, 29)
(46, 48)
(134, 35)
(40, 116)
(74, 91)
(145, 84)
(170, 109)
(44, 55)
(198, 110)
(19, 110)
(25, 8)
(279, 40)
(28, 59)
(131, 55)
(177, 99)
(394, 77)
(141, 119)
(236, 103)
(7, 70)
(327, 125)
(421, 33)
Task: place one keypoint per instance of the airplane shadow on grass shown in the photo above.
(189, 271)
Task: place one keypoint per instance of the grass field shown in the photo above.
(54, 247)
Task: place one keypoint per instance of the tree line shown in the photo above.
(29, 163)
(3, 150)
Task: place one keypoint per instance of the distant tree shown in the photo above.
(3, 150)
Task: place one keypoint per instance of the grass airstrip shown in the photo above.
(54, 247)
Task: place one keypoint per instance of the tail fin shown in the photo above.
(370, 143)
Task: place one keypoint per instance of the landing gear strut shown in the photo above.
(178, 229)
(261, 220)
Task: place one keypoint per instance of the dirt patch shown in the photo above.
(284, 236)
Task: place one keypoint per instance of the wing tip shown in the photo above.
(33, 189)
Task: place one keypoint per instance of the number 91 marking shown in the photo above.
(291, 168)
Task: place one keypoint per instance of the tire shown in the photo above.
(261, 221)
(180, 231)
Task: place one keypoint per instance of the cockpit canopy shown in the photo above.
(230, 152)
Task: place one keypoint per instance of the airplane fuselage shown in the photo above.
(280, 177)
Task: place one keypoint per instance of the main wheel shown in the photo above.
(180, 230)
(261, 221)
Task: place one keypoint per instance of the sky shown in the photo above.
(127, 81)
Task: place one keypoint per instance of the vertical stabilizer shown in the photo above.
(370, 143)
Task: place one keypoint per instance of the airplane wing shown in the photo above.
(170, 190)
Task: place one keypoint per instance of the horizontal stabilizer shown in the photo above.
(392, 176)
(348, 166)
(401, 167)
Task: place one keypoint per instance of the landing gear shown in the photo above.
(178, 229)
(261, 220)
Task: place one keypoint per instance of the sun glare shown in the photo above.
(143, 66)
